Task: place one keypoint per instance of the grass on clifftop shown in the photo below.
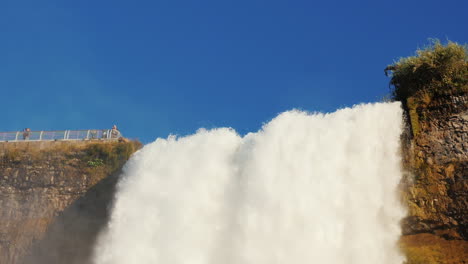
(113, 155)
(109, 155)
(437, 69)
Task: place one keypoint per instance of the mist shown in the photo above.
(306, 188)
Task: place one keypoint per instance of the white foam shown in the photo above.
(307, 188)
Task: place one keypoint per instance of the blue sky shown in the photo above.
(161, 67)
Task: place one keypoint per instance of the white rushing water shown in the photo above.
(307, 188)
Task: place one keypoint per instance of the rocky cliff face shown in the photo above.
(42, 184)
(435, 150)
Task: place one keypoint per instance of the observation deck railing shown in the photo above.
(90, 134)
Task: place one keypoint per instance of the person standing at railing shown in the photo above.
(26, 133)
(115, 133)
(93, 134)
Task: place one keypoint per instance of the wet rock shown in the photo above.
(437, 157)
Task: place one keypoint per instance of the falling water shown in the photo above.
(306, 188)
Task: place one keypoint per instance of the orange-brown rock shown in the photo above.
(39, 184)
(435, 185)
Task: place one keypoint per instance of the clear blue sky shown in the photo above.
(161, 67)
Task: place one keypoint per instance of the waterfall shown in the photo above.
(306, 188)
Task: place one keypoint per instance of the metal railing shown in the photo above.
(90, 134)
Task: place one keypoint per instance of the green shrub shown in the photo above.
(95, 163)
(436, 69)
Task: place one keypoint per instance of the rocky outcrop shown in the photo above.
(42, 184)
(435, 151)
(436, 158)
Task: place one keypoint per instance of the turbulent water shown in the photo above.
(307, 188)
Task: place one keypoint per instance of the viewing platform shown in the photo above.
(61, 135)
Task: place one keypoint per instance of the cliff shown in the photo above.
(435, 185)
(54, 197)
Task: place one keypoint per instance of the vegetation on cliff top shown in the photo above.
(436, 69)
(113, 155)
(74, 159)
